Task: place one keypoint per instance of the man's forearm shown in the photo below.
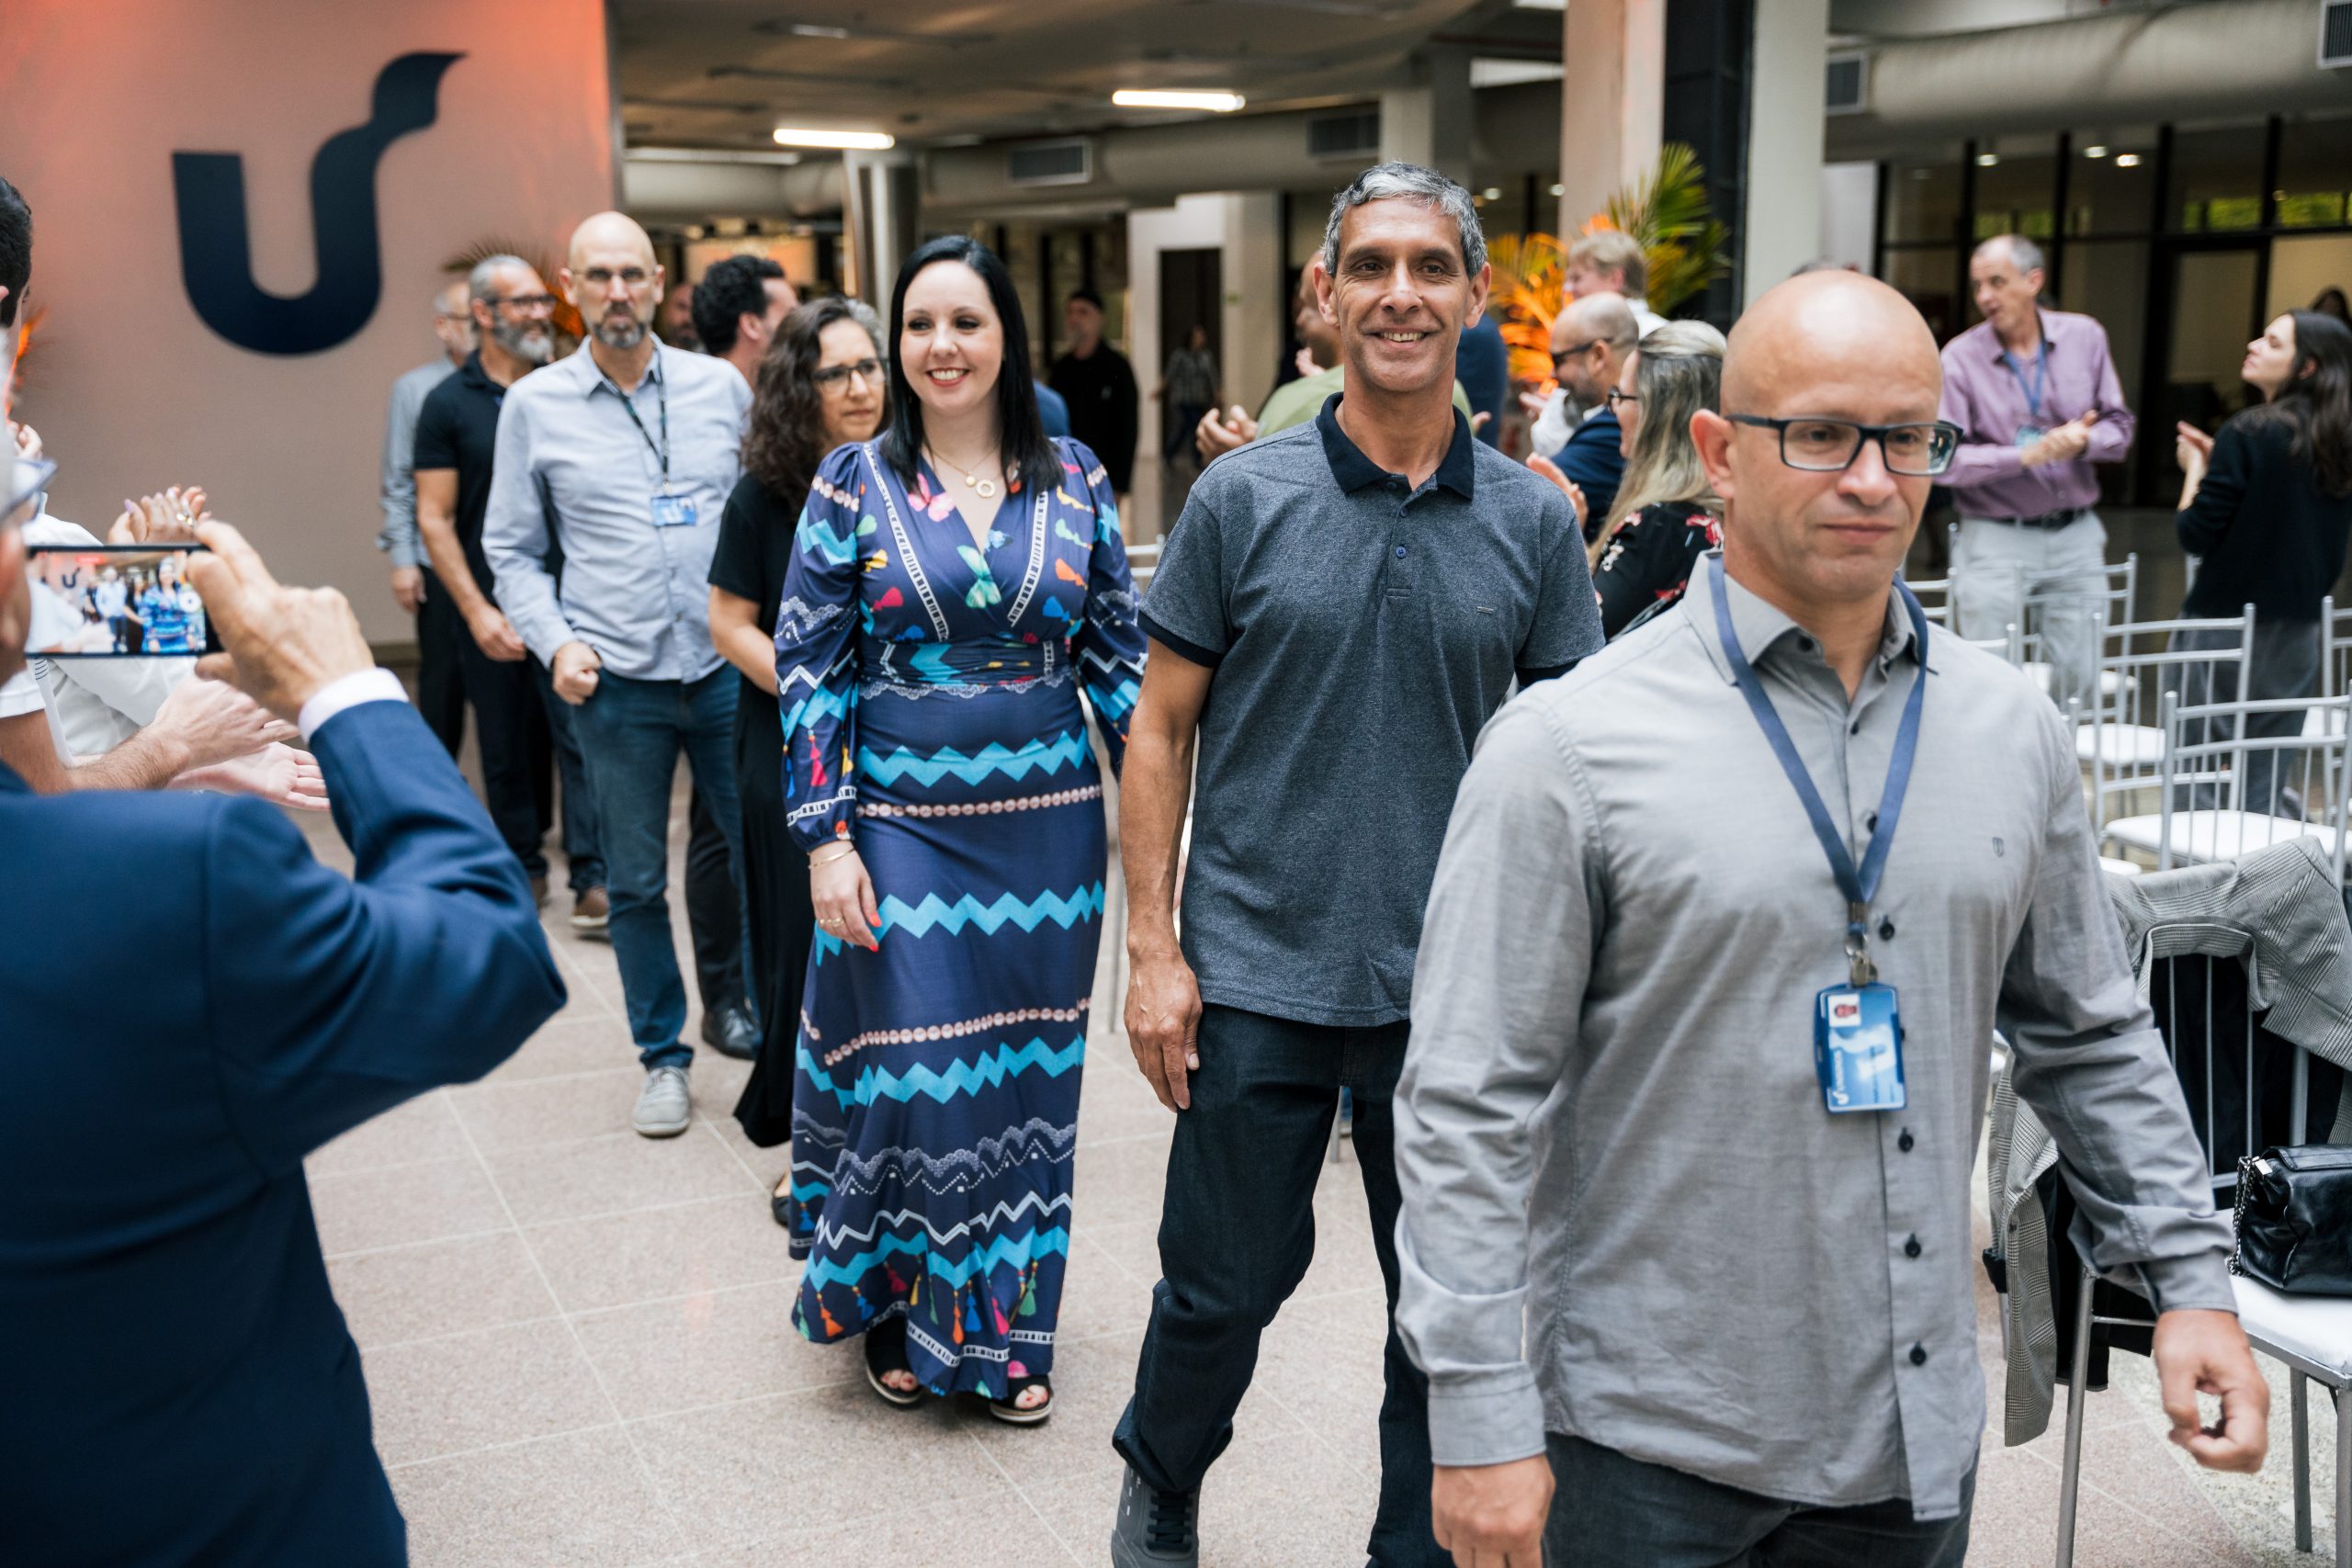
(448, 559)
(1155, 786)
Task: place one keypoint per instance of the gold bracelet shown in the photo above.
(849, 850)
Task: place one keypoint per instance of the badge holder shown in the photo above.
(1857, 1034)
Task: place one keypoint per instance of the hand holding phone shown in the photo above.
(285, 644)
(115, 601)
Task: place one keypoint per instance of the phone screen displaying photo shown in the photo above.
(115, 601)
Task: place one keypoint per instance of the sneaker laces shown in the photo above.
(1169, 1525)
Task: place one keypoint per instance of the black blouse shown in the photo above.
(1649, 560)
(754, 552)
(2266, 532)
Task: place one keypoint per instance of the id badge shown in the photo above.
(673, 512)
(2030, 434)
(1858, 1048)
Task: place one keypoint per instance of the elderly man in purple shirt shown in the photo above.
(2035, 395)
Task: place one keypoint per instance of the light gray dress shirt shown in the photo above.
(574, 473)
(397, 484)
(1608, 1123)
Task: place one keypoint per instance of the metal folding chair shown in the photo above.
(2116, 736)
(2220, 789)
(2109, 605)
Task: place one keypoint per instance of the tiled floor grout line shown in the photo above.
(1018, 1490)
(476, 1452)
(537, 1224)
(678, 1523)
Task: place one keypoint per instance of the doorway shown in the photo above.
(1191, 294)
(2213, 304)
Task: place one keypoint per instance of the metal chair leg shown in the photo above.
(2343, 1477)
(2299, 1405)
(2070, 1472)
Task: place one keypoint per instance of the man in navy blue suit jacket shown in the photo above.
(189, 1004)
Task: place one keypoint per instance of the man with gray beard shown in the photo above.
(520, 726)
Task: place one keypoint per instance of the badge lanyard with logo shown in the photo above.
(2034, 429)
(1857, 1027)
(669, 511)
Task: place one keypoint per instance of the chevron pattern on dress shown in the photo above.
(1017, 1251)
(1067, 749)
(960, 1077)
(936, 913)
(851, 1173)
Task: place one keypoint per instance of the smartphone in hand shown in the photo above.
(115, 601)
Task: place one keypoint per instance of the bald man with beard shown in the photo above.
(617, 461)
(1715, 1304)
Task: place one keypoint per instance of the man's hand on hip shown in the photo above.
(1491, 1515)
(285, 644)
(574, 671)
(2205, 1352)
(1164, 1023)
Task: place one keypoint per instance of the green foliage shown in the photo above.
(1668, 213)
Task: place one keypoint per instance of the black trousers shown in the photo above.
(1236, 1234)
(783, 922)
(517, 752)
(714, 910)
(441, 641)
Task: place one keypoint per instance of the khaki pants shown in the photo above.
(1996, 565)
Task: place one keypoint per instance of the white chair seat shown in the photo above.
(2045, 675)
(2317, 1329)
(2205, 836)
(2117, 867)
(2120, 745)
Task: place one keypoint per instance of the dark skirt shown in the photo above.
(775, 891)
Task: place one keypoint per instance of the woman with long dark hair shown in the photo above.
(954, 586)
(820, 386)
(2265, 506)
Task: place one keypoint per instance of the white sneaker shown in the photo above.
(664, 1107)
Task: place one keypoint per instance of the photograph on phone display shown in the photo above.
(135, 603)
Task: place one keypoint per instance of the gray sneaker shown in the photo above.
(663, 1107)
(1155, 1529)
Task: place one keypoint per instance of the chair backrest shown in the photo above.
(1935, 598)
(2227, 768)
(1142, 562)
(2233, 1065)
(2122, 745)
(2112, 602)
(2010, 645)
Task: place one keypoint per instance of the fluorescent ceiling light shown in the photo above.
(1153, 98)
(2127, 160)
(2094, 151)
(1491, 72)
(849, 141)
(1987, 160)
(816, 29)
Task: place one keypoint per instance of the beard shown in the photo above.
(532, 346)
(621, 329)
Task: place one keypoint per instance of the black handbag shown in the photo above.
(2294, 1220)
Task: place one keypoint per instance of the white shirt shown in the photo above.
(93, 705)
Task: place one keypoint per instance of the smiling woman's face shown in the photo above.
(950, 341)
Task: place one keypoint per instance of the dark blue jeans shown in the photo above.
(1609, 1509)
(631, 733)
(1236, 1232)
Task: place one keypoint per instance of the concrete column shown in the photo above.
(1613, 95)
(882, 210)
(1781, 227)
(1429, 122)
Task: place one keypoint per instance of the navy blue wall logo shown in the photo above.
(216, 253)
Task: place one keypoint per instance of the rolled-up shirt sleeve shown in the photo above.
(2090, 1063)
(1506, 950)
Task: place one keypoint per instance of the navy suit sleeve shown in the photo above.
(332, 999)
(1593, 464)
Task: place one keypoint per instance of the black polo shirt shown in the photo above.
(458, 428)
(1361, 632)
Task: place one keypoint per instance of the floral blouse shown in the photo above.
(1649, 560)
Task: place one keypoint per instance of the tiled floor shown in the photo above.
(579, 1350)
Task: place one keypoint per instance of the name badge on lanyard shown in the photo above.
(1857, 1027)
(2033, 429)
(674, 512)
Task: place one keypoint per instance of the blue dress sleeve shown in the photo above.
(1107, 639)
(816, 654)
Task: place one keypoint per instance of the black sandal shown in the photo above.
(1006, 1410)
(780, 1201)
(886, 1352)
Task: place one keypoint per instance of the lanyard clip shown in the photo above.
(1860, 970)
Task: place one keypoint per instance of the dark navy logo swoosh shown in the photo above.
(216, 253)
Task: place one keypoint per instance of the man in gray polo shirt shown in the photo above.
(1730, 1289)
(1337, 611)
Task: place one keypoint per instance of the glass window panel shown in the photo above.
(2306, 266)
(1929, 278)
(2115, 191)
(2016, 193)
(2108, 280)
(1923, 196)
(2216, 179)
(2314, 172)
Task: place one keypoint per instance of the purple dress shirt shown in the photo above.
(1988, 402)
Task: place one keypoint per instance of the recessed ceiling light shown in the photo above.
(2127, 160)
(1987, 160)
(1493, 193)
(1155, 99)
(849, 141)
(1559, 190)
(2094, 151)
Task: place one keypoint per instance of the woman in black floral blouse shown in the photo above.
(1666, 513)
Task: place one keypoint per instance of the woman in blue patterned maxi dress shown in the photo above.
(930, 657)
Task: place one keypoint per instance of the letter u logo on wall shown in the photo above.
(216, 252)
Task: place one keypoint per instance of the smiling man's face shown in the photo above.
(1401, 294)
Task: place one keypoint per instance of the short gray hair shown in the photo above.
(1410, 182)
(2024, 254)
(482, 282)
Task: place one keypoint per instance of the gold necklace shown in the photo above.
(984, 489)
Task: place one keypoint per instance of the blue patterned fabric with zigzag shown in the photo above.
(937, 687)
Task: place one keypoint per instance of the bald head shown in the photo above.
(1591, 339)
(611, 276)
(1604, 316)
(610, 231)
(1826, 325)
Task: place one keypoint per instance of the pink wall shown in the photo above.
(131, 389)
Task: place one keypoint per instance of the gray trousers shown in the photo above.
(1609, 1510)
(1996, 565)
(2283, 662)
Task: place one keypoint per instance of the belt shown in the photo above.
(2058, 519)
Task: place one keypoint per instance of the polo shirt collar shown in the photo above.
(589, 376)
(1760, 626)
(1354, 471)
(475, 375)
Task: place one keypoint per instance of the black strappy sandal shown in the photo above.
(886, 1352)
(780, 1201)
(1006, 1410)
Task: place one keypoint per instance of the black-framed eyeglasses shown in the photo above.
(1830, 445)
(835, 377)
(1616, 398)
(1564, 355)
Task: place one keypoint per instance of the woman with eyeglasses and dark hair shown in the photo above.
(2265, 503)
(953, 587)
(819, 388)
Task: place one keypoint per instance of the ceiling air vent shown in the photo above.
(2335, 34)
(1069, 162)
(1355, 134)
(1848, 84)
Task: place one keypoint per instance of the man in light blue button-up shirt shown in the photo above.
(614, 465)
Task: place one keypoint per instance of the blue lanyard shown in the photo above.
(1859, 886)
(2041, 373)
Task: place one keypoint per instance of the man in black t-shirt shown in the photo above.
(1100, 386)
(521, 728)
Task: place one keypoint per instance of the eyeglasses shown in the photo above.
(1616, 398)
(1564, 355)
(1830, 445)
(835, 377)
(530, 301)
